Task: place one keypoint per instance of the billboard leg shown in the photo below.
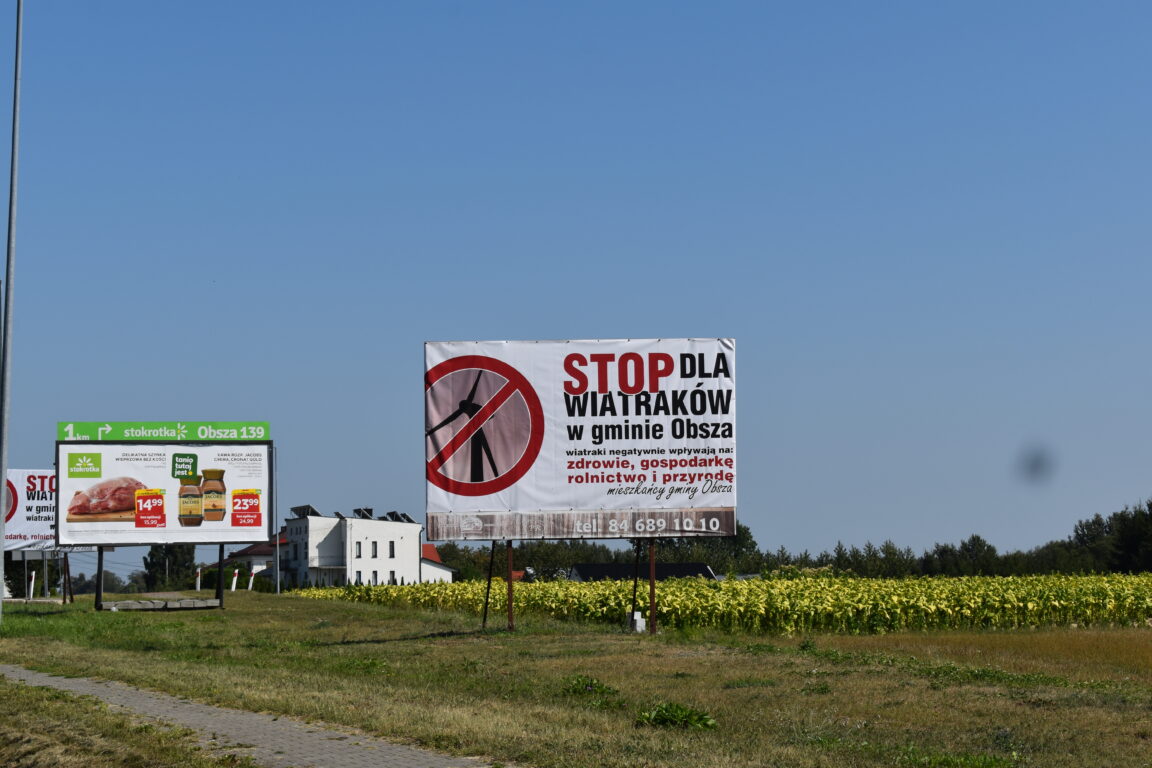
(652, 587)
(511, 619)
(220, 576)
(99, 578)
(488, 589)
(630, 619)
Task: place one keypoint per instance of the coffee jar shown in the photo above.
(190, 501)
(213, 491)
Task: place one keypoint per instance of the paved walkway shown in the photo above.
(276, 742)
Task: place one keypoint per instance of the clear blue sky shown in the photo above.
(926, 225)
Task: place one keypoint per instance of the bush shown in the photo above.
(672, 715)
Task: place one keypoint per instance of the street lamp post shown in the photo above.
(9, 270)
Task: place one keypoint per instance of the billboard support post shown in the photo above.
(511, 614)
(220, 576)
(652, 587)
(488, 589)
(276, 518)
(99, 578)
(630, 622)
(276, 521)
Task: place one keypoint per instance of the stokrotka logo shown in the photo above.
(83, 465)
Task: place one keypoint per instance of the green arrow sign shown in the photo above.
(163, 431)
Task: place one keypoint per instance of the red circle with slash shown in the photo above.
(11, 501)
(515, 384)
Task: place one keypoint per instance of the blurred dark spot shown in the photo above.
(1036, 464)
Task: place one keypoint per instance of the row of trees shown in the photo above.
(1119, 543)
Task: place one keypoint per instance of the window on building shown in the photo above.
(357, 549)
(374, 550)
(357, 577)
(391, 577)
(391, 549)
(375, 581)
(295, 551)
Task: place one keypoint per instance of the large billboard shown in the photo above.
(163, 492)
(30, 509)
(580, 439)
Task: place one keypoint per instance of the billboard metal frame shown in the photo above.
(261, 533)
(580, 439)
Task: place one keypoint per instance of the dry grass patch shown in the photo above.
(45, 728)
(1079, 655)
(946, 700)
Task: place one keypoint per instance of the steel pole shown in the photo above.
(9, 270)
(276, 516)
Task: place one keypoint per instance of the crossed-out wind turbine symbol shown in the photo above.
(477, 443)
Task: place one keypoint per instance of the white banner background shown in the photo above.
(246, 465)
(30, 509)
(624, 425)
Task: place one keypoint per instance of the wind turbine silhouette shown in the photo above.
(478, 443)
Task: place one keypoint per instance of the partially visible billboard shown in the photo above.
(163, 493)
(580, 439)
(30, 509)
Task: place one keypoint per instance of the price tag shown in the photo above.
(150, 508)
(246, 508)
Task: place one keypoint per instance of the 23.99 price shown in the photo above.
(246, 508)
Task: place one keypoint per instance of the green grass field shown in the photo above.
(571, 694)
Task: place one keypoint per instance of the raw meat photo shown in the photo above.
(115, 495)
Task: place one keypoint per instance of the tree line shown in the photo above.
(1118, 543)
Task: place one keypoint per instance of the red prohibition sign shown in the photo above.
(478, 415)
(11, 502)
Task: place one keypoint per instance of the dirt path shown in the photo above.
(276, 742)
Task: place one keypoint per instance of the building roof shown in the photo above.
(428, 552)
(259, 549)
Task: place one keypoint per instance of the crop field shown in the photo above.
(573, 692)
(804, 605)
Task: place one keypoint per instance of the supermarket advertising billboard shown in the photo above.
(580, 439)
(149, 492)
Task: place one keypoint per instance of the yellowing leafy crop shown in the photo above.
(802, 605)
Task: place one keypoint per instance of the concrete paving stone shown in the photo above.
(275, 742)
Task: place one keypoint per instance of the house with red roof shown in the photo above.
(431, 567)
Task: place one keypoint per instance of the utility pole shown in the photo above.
(9, 270)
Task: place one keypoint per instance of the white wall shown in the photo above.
(432, 571)
(315, 542)
(324, 544)
(400, 561)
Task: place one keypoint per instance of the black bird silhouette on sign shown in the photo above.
(478, 443)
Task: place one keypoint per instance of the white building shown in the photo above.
(333, 551)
